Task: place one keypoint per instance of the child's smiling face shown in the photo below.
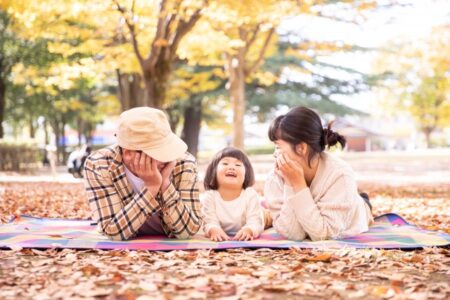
(230, 173)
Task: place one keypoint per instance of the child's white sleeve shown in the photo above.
(209, 212)
(254, 214)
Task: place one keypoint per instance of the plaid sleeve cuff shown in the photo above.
(170, 196)
(147, 202)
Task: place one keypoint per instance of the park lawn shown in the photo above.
(234, 274)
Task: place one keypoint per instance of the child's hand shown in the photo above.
(245, 234)
(218, 235)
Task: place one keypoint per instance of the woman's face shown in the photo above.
(283, 147)
(230, 173)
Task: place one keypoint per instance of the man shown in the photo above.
(147, 183)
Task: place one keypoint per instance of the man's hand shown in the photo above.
(245, 234)
(165, 173)
(291, 172)
(144, 167)
(217, 234)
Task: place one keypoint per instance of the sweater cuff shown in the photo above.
(302, 204)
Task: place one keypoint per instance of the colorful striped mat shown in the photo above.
(389, 231)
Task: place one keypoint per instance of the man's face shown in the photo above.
(131, 156)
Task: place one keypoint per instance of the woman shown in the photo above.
(312, 193)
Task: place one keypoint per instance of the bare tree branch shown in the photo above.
(261, 53)
(131, 28)
(253, 38)
(132, 6)
(160, 33)
(184, 27)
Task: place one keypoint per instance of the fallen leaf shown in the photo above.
(278, 288)
(148, 286)
(237, 270)
(325, 257)
(90, 270)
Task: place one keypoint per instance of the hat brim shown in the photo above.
(173, 149)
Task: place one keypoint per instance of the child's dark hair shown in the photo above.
(302, 124)
(210, 181)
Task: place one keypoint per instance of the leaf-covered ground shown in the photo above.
(233, 274)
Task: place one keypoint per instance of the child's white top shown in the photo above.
(242, 212)
(330, 208)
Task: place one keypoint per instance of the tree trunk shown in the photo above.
(79, 130)
(427, 131)
(46, 138)
(2, 104)
(173, 113)
(31, 127)
(57, 131)
(59, 125)
(89, 132)
(173, 24)
(237, 96)
(130, 92)
(155, 80)
(63, 141)
(191, 127)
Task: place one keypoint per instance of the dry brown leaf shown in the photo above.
(90, 270)
(325, 257)
(278, 288)
(237, 270)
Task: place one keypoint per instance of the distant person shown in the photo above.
(231, 206)
(75, 162)
(147, 183)
(312, 193)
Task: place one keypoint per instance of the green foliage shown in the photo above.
(316, 93)
(429, 104)
(419, 79)
(51, 84)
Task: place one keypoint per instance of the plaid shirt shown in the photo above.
(120, 212)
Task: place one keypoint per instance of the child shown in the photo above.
(231, 206)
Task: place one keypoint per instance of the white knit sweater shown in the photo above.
(242, 212)
(330, 208)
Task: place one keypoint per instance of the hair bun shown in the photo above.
(331, 138)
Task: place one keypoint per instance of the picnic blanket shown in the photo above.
(389, 231)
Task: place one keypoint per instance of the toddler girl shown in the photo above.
(231, 207)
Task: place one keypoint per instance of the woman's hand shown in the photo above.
(217, 234)
(245, 234)
(291, 172)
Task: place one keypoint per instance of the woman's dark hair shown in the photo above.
(210, 181)
(302, 124)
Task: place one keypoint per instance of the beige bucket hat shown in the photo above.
(147, 129)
